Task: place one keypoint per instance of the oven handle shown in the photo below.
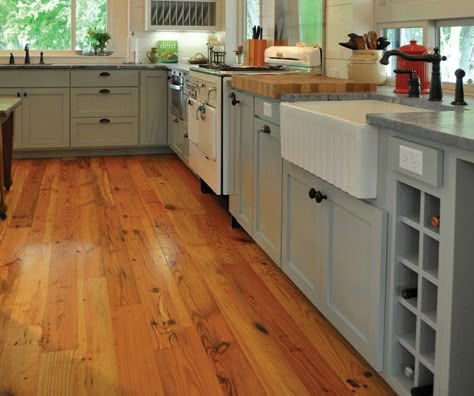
(175, 87)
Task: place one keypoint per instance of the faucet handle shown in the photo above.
(438, 55)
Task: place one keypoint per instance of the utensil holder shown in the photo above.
(257, 52)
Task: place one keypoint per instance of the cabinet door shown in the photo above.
(267, 188)
(153, 107)
(241, 198)
(354, 252)
(18, 122)
(45, 117)
(302, 227)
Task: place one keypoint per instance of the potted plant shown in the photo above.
(98, 40)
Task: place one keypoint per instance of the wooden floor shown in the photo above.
(117, 276)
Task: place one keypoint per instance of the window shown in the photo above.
(455, 39)
(253, 16)
(49, 24)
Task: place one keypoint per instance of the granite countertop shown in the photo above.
(7, 105)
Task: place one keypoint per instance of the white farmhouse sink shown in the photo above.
(333, 141)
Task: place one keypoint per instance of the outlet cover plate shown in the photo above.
(411, 160)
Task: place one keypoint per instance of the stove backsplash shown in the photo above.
(189, 43)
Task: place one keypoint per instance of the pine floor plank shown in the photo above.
(138, 371)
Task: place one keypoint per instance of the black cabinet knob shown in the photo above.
(318, 196)
(265, 129)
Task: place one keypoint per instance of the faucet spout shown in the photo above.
(27, 54)
(436, 93)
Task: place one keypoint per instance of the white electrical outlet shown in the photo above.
(411, 160)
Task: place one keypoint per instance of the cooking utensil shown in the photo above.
(349, 45)
(382, 43)
(372, 39)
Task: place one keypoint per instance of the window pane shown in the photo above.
(89, 14)
(457, 43)
(399, 37)
(253, 15)
(44, 24)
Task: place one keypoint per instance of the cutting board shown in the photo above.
(274, 85)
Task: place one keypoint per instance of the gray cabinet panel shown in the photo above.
(153, 107)
(267, 188)
(45, 117)
(302, 233)
(241, 199)
(354, 272)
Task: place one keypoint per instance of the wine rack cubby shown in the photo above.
(416, 287)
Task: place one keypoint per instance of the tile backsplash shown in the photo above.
(189, 43)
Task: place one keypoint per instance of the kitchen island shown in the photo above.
(416, 234)
(7, 110)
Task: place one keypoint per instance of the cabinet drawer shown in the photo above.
(268, 110)
(99, 102)
(104, 78)
(104, 132)
(417, 161)
(34, 78)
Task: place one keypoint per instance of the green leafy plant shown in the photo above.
(98, 39)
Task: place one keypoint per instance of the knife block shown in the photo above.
(256, 54)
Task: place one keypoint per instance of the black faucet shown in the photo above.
(436, 92)
(27, 54)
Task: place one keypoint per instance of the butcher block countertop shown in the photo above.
(275, 85)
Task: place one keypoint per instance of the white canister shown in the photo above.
(365, 66)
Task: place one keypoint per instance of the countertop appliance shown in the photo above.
(308, 59)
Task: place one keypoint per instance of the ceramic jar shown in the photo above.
(365, 66)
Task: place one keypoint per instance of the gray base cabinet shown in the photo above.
(335, 252)
(255, 201)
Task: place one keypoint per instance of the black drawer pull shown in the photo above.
(25, 94)
(104, 121)
(104, 91)
(18, 94)
(104, 74)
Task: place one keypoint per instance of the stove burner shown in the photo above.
(224, 67)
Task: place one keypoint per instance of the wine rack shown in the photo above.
(417, 262)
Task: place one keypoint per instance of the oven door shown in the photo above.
(202, 128)
(176, 100)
